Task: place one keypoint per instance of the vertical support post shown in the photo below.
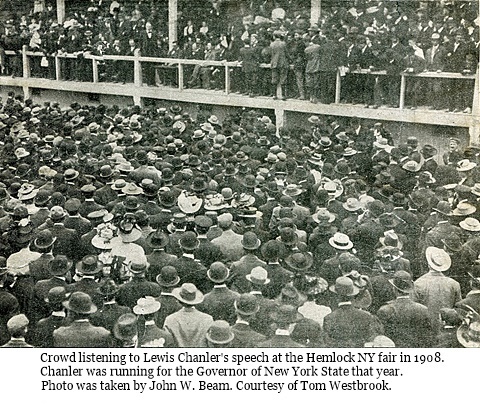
(227, 79)
(95, 70)
(403, 84)
(58, 74)
(137, 100)
(279, 118)
(474, 129)
(60, 11)
(172, 22)
(338, 87)
(25, 62)
(180, 76)
(137, 69)
(315, 11)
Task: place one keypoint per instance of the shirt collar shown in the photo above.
(282, 332)
(242, 322)
(344, 304)
(222, 286)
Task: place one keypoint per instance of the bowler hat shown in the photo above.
(246, 304)
(340, 241)
(345, 287)
(250, 241)
(286, 314)
(89, 265)
(80, 302)
(272, 250)
(299, 261)
(44, 239)
(59, 265)
(258, 276)
(17, 323)
(168, 277)
(189, 241)
(109, 289)
(56, 295)
(220, 333)
(125, 327)
(218, 272)
(469, 335)
(157, 239)
(402, 280)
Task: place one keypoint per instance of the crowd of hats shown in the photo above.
(336, 195)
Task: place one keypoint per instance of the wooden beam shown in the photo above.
(60, 11)
(172, 22)
(315, 11)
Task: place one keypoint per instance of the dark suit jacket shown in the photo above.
(43, 334)
(191, 271)
(240, 269)
(408, 324)
(349, 327)
(82, 334)
(108, 315)
(168, 305)
(133, 290)
(157, 260)
(245, 337)
(280, 341)
(278, 54)
(219, 304)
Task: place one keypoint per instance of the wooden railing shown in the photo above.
(228, 67)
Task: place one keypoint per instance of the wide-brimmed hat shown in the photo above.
(334, 188)
(218, 272)
(402, 280)
(157, 239)
(438, 259)
(188, 294)
(428, 150)
(250, 241)
(469, 335)
(119, 184)
(125, 327)
(340, 241)
(132, 189)
(380, 341)
(465, 165)
(314, 119)
(246, 304)
(292, 190)
(27, 192)
(80, 302)
(412, 166)
(44, 239)
(286, 314)
(464, 209)
(299, 261)
(220, 333)
(258, 276)
(70, 174)
(89, 265)
(470, 224)
(390, 239)
(352, 204)
(323, 215)
(344, 286)
(168, 277)
(290, 295)
(146, 305)
(444, 208)
(59, 266)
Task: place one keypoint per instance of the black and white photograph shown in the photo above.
(239, 174)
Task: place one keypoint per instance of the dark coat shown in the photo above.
(136, 288)
(219, 303)
(245, 337)
(82, 334)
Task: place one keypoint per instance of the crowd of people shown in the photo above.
(352, 37)
(151, 227)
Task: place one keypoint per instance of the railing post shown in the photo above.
(180, 76)
(338, 87)
(58, 74)
(403, 84)
(227, 79)
(474, 129)
(137, 69)
(279, 118)
(95, 70)
(25, 62)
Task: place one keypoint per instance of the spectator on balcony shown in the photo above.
(413, 64)
(278, 63)
(312, 69)
(250, 59)
(296, 53)
(435, 58)
(148, 47)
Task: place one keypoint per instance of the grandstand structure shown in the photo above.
(139, 91)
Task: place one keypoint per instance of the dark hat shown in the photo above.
(189, 241)
(286, 314)
(109, 289)
(89, 265)
(218, 272)
(250, 241)
(188, 294)
(70, 174)
(80, 302)
(344, 286)
(290, 295)
(125, 327)
(44, 239)
(131, 203)
(157, 239)
(444, 208)
(203, 222)
(106, 171)
(300, 261)
(56, 295)
(167, 198)
(428, 150)
(138, 267)
(59, 265)
(199, 184)
(72, 205)
(220, 333)
(246, 304)
(42, 197)
(88, 189)
(272, 250)
(168, 277)
(402, 281)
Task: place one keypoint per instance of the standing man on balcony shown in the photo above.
(250, 59)
(148, 47)
(297, 55)
(278, 63)
(435, 60)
